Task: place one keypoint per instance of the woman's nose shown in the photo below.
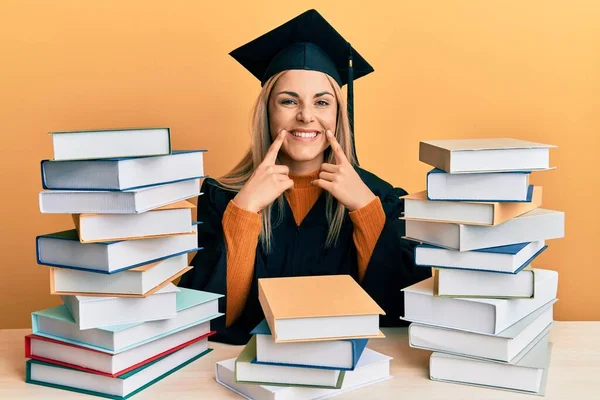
(305, 115)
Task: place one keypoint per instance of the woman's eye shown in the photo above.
(322, 103)
(287, 102)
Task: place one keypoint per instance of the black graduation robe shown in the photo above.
(300, 250)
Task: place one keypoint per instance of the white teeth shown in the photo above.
(308, 135)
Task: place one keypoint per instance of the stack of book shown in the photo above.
(123, 324)
(486, 313)
(312, 343)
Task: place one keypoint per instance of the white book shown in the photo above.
(122, 173)
(63, 249)
(373, 367)
(172, 219)
(193, 307)
(538, 224)
(133, 201)
(94, 144)
(485, 155)
(122, 387)
(526, 374)
(506, 259)
(93, 312)
(478, 315)
(140, 281)
(114, 364)
(504, 346)
(465, 283)
(496, 186)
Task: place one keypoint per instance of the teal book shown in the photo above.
(122, 387)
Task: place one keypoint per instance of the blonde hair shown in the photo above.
(260, 142)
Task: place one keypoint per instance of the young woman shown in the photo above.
(297, 203)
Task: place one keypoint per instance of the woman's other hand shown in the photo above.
(267, 182)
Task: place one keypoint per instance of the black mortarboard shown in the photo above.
(307, 41)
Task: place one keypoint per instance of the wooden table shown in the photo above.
(574, 371)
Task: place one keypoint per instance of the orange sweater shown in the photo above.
(242, 229)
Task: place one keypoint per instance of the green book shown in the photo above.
(248, 371)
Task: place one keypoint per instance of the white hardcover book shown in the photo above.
(172, 219)
(465, 283)
(93, 312)
(505, 259)
(46, 374)
(193, 307)
(480, 315)
(526, 374)
(122, 173)
(373, 367)
(114, 364)
(504, 346)
(132, 201)
(498, 186)
(95, 144)
(63, 249)
(138, 281)
(538, 224)
(485, 155)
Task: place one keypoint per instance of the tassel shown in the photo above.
(351, 101)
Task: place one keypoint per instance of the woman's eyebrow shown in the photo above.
(294, 94)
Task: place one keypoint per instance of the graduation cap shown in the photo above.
(308, 42)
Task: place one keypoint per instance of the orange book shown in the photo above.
(417, 207)
(315, 308)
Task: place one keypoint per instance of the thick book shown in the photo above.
(465, 283)
(539, 224)
(264, 374)
(495, 186)
(334, 354)
(508, 259)
(526, 374)
(122, 173)
(93, 312)
(132, 201)
(63, 249)
(372, 368)
(113, 365)
(417, 207)
(194, 307)
(485, 155)
(120, 388)
(136, 282)
(169, 220)
(478, 315)
(504, 346)
(309, 308)
(109, 143)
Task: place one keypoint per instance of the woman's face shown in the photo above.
(303, 103)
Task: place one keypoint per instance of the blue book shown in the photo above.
(194, 307)
(509, 259)
(335, 354)
(126, 173)
(121, 387)
(64, 250)
(498, 187)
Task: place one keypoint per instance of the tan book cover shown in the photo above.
(438, 153)
(174, 206)
(133, 270)
(502, 211)
(314, 297)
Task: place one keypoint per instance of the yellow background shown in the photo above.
(443, 69)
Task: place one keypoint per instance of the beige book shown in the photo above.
(312, 308)
(417, 207)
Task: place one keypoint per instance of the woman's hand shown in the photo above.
(342, 180)
(267, 182)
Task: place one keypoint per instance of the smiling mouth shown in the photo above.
(305, 135)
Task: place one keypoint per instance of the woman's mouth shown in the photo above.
(305, 136)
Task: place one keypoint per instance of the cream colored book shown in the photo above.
(417, 207)
(485, 155)
(311, 308)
